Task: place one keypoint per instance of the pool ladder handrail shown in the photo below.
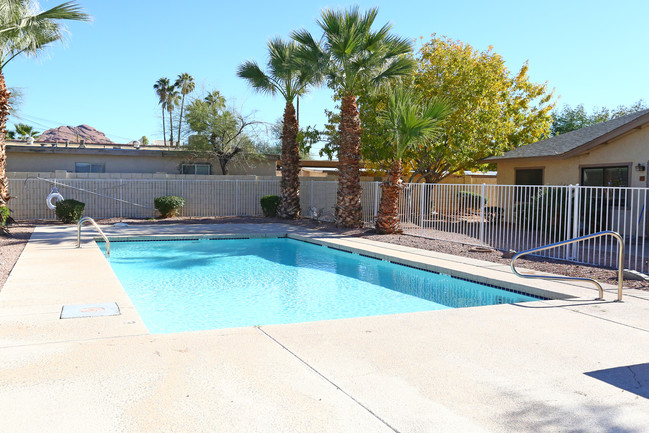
(620, 271)
(92, 221)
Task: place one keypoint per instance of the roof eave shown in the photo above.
(627, 127)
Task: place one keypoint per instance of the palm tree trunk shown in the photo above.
(171, 129)
(164, 128)
(348, 200)
(289, 205)
(180, 120)
(4, 115)
(387, 221)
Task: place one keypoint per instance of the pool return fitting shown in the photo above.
(92, 221)
(620, 271)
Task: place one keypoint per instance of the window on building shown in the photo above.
(86, 167)
(605, 176)
(616, 176)
(195, 169)
(529, 176)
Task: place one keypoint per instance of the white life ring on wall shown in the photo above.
(53, 195)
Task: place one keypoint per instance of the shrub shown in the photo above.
(169, 206)
(4, 214)
(69, 210)
(269, 205)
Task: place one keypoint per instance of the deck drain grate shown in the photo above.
(90, 310)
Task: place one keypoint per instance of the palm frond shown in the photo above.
(257, 79)
(25, 30)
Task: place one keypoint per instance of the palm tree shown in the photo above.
(173, 98)
(354, 56)
(405, 120)
(290, 79)
(161, 88)
(26, 30)
(23, 131)
(185, 83)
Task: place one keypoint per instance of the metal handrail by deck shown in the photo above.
(620, 271)
(92, 221)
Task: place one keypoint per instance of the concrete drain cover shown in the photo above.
(89, 310)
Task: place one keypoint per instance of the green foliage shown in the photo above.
(571, 119)
(352, 54)
(169, 206)
(69, 210)
(470, 201)
(407, 120)
(286, 74)
(306, 138)
(269, 205)
(24, 131)
(220, 133)
(4, 214)
(144, 140)
(26, 30)
(493, 111)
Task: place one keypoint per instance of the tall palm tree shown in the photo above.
(405, 120)
(354, 56)
(185, 84)
(26, 30)
(286, 76)
(161, 88)
(173, 98)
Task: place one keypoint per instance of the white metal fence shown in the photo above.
(500, 216)
(522, 217)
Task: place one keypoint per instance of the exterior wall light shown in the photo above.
(640, 167)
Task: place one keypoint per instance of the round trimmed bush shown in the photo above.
(69, 210)
(169, 205)
(269, 205)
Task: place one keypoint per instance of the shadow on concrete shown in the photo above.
(631, 378)
(542, 416)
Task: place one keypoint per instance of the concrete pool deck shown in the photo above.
(571, 364)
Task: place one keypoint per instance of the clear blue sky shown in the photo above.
(590, 52)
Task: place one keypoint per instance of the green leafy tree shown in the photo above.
(144, 140)
(161, 88)
(220, 133)
(493, 110)
(24, 29)
(288, 77)
(352, 57)
(23, 131)
(405, 121)
(571, 119)
(185, 85)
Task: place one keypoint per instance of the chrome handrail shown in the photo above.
(620, 271)
(92, 221)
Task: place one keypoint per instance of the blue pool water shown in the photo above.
(195, 285)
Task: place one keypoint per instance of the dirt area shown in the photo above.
(11, 247)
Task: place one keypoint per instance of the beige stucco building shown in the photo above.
(124, 158)
(613, 153)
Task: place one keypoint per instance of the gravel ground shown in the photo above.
(11, 247)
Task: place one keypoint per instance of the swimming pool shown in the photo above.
(207, 284)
